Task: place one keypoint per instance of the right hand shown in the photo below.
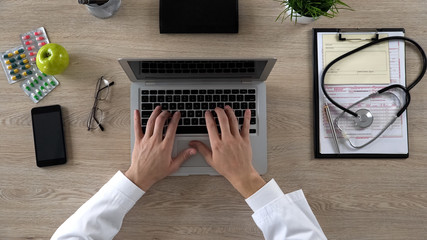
(231, 154)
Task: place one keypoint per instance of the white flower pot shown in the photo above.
(296, 17)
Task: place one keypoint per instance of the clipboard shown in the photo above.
(323, 138)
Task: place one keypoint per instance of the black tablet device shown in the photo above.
(199, 16)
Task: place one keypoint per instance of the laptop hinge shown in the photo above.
(246, 81)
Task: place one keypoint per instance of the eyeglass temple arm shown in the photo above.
(110, 84)
(99, 124)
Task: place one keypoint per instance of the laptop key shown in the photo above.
(249, 98)
(165, 106)
(191, 129)
(253, 121)
(195, 121)
(147, 106)
(144, 99)
(181, 106)
(144, 92)
(146, 114)
(144, 121)
(252, 105)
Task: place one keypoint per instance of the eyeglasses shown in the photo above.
(97, 115)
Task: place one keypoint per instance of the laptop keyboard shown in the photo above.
(193, 103)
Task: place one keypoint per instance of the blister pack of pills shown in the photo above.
(16, 64)
(19, 64)
(33, 41)
(38, 85)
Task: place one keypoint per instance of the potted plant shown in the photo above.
(306, 11)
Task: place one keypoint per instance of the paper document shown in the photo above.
(369, 66)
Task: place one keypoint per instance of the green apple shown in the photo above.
(52, 59)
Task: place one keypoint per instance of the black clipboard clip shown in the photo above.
(343, 31)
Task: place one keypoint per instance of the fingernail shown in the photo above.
(192, 152)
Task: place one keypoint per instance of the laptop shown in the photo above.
(193, 86)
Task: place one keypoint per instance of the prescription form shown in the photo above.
(352, 80)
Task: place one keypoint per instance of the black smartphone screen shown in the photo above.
(48, 135)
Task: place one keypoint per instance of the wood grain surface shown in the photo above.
(352, 199)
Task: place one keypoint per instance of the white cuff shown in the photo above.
(122, 184)
(268, 193)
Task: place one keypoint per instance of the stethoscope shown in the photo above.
(363, 118)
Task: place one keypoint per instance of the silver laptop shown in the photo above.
(193, 86)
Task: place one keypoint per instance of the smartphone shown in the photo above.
(48, 135)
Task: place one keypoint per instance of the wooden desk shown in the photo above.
(352, 199)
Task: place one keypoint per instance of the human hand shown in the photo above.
(152, 154)
(231, 153)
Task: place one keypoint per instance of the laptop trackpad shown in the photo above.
(196, 160)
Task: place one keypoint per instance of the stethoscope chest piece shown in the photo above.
(364, 118)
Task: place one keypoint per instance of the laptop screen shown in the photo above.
(197, 69)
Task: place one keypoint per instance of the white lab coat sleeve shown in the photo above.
(283, 216)
(102, 215)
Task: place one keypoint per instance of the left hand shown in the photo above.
(152, 154)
